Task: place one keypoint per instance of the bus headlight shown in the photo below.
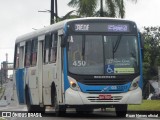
(73, 84)
(134, 84)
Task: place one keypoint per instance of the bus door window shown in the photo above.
(28, 54)
(47, 45)
(21, 56)
(34, 51)
(17, 56)
(53, 52)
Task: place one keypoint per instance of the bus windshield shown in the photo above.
(103, 54)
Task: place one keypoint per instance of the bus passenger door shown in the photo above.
(60, 74)
(49, 66)
(19, 72)
(40, 67)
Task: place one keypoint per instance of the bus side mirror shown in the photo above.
(63, 41)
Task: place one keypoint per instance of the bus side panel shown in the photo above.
(20, 86)
(49, 75)
(31, 78)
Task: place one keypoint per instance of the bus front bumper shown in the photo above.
(79, 98)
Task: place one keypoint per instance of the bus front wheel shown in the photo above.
(60, 110)
(121, 110)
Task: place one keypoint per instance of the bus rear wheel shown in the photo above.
(121, 110)
(33, 108)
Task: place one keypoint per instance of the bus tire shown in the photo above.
(121, 110)
(60, 110)
(33, 108)
(53, 91)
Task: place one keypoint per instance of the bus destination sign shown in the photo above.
(101, 27)
(118, 28)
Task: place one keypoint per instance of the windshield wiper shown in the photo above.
(83, 47)
(117, 44)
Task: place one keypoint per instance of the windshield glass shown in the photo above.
(102, 55)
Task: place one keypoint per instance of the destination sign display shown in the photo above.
(101, 27)
(118, 28)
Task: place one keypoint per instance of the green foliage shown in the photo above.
(85, 8)
(151, 59)
(69, 15)
(90, 8)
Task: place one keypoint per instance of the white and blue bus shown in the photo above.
(83, 63)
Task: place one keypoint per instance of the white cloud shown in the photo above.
(145, 12)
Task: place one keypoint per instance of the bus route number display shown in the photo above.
(118, 28)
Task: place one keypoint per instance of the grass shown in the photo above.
(1, 118)
(147, 105)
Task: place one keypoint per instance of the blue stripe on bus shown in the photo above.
(104, 88)
(65, 29)
(66, 82)
(141, 73)
(20, 85)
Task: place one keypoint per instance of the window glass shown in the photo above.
(28, 54)
(34, 51)
(121, 54)
(103, 55)
(86, 54)
(47, 45)
(17, 56)
(53, 48)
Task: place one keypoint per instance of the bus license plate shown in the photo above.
(105, 97)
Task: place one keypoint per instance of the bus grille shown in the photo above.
(96, 99)
(104, 82)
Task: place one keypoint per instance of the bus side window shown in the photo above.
(34, 51)
(16, 62)
(28, 54)
(53, 48)
(47, 45)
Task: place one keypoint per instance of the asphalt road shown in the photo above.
(15, 109)
(50, 115)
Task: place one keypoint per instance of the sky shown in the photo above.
(18, 17)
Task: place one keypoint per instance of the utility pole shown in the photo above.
(159, 77)
(54, 12)
(101, 9)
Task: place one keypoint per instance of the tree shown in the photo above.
(89, 8)
(69, 15)
(151, 59)
(151, 37)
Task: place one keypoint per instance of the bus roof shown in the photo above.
(60, 25)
